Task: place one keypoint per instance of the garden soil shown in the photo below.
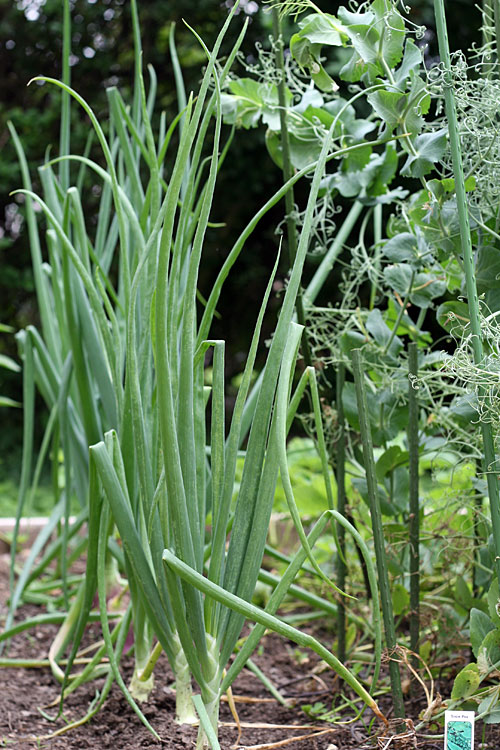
(265, 724)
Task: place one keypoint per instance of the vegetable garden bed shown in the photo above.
(176, 491)
(264, 722)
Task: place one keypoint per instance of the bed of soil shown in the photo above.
(264, 722)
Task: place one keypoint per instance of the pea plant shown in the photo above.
(362, 74)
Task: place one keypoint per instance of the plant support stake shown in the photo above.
(291, 226)
(414, 524)
(341, 566)
(489, 458)
(378, 533)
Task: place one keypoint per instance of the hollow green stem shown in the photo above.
(257, 615)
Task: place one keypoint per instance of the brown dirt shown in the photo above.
(24, 691)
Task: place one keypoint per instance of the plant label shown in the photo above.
(459, 730)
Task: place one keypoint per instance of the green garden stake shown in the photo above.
(378, 534)
(414, 520)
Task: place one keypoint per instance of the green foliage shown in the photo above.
(119, 358)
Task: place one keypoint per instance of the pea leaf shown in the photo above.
(453, 316)
(425, 286)
(347, 123)
(487, 269)
(465, 409)
(412, 60)
(323, 28)
(489, 651)
(429, 149)
(377, 37)
(463, 594)
(466, 682)
(302, 151)
(494, 603)
(400, 599)
(386, 417)
(389, 460)
(398, 277)
(350, 18)
(249, 101)
(389, 106)
(305, 46)
(408, 247)
(376, 325)
(480, 626)
(369, 181)
(386, 507)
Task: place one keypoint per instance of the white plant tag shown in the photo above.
(459, 730)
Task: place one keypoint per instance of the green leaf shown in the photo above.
(389, 106)
(9, 364)
(303, 151)
(347, 121)
(352, 340)
(487, 269)
(350, 18)
(412, 60)
(402, 247)
(393, 34)
(323, 29)
(417, 104)
(462, 594)
(400, 599)
(390, 460)
(489, 651)
(480, 626)
(274, 148)
(322, 80)
(453, 316)
(249, 101)
(376, 325)
(466, 682)
(387, 508)
(441, 188)
(386, 417)
(425, 286)
(398, 277)
(365, 178)
(494, 603)
(6, 401)
(429, 148)
(305, 46)
(386, 171)
(493, 717)
(354, 69)
(465, 409)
